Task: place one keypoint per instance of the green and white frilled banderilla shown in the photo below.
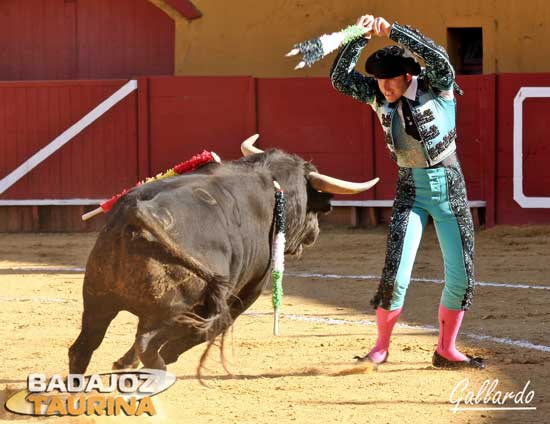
(315, 49)
(278, 259)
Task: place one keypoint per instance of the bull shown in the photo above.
(188, 254)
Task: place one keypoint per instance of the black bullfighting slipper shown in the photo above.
(439, 361)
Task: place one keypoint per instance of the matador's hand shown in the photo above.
(381, 27)
(367, 22)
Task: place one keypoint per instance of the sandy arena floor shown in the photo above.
(307, 374)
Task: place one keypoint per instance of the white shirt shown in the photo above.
(410, 93)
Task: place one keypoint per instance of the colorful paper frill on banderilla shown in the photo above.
(278, 258)
(315, 49)
(189, 165)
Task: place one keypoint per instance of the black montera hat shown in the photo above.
(391, 61)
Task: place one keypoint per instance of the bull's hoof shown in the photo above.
(121, 365)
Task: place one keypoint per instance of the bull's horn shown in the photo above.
(247, 146)
(332, 185)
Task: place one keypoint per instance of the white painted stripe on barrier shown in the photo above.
(355, 203)
(519, 196)
(66, 136)
(51, 202)
(421, 280)
(525, 344)
(389, 203)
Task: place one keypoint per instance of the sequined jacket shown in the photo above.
(434, 109)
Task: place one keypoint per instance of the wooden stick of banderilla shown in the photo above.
(91, 214)
(276, 323)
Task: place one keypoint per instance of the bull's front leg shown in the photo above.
(95, 321)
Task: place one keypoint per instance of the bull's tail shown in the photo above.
(216, 317)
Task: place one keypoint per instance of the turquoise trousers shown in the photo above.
(441, 194)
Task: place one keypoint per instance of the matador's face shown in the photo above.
(394, 88)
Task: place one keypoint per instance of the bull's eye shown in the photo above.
(317, 201)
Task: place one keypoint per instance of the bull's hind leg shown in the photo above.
(129, 360)
(171, 351)
(95, 320)
(238, 304)
(148, 343)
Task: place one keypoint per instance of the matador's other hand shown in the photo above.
(381, 27)
(366, 21)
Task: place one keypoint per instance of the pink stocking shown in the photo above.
(449, 324)
(385, 320)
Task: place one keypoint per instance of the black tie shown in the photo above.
(410, 126)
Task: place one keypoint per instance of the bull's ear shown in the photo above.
(318, 201)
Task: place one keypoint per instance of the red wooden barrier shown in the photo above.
(172, 118)
(62, 39)
(476, 138)
(123, 38)
(189, 114)
(23, 29)
(99, 161)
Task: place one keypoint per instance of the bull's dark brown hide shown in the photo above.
(188, 254)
